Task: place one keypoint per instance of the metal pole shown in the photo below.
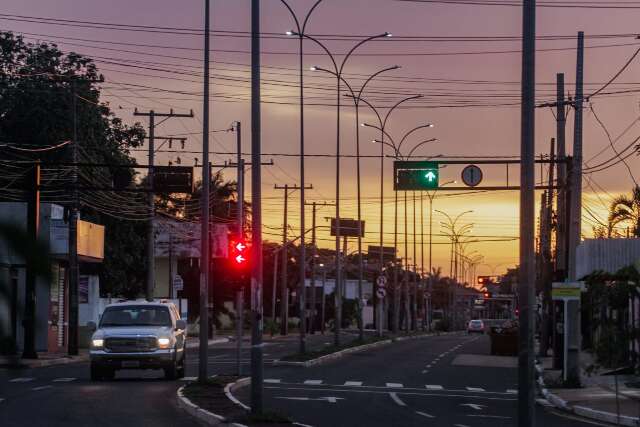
(256, 211)
(284, 302)
(314, 317)
(526, 285)
(360, 261)
(302, 307)
(424, 305)
(33, 224)
(239, 320)
(338, 274)
(151, 259)
(240, 214)
(274, 286)
(324, 288)
(171, 291)
(406, 267)
(414, 302)
(576, 221)
(396, 290)
(204, 236)
(74, 268)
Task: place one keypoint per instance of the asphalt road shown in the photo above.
(63, 395)
(411, 383)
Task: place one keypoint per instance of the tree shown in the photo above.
(626, 210)
(36, 110)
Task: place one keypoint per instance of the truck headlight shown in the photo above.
(97, 343)
(164, 342)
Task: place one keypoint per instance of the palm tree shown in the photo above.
(625, 209)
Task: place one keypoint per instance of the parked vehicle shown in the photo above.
(475, 326)
(138, 335)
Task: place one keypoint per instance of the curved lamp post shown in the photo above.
(302, 290)
(337, 72)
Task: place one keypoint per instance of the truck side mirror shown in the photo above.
(181, 324)
(92, 326)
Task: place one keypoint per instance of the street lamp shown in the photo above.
(300, 34)
(398, 156)
(337, 72)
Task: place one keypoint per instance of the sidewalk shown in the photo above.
(193, 342)
(44, 359)
(597, 398)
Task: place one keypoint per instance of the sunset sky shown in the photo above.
(465, 61)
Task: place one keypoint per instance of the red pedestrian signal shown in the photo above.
(239, 253)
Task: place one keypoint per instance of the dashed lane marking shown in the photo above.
(424, 414)
(394, 385)
(21, 380)
(353, 383)
(475, 389)
(512, 391)
(460, 425)
(313, 382)
(188, 379)
(271, 381)
(396, 399)
(42, 387)
(64, 380)
(489, 416)
(434, 387)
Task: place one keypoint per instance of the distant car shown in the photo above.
(138, 335)
(475, 326)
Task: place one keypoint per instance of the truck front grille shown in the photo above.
(130, 344)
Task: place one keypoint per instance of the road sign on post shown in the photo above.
(566, 292)
(348, 227)
(415, 175)
(471, 175)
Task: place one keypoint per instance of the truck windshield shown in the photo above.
(136, 316)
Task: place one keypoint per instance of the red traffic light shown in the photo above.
(487, 295)
(239, 253)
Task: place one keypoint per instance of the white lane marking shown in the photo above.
(425, 371)
(475, 389)
(396, 399)
(188, 379)
(42, 387)
(353, 383)
(434, 387)
(64, 380)
(442, 355)
(313, 382)
(21, 380)
(460, 425)
(271, 381)
(394, 385)
(474, 406)
(424, 414)
(512, 391)
(1, 400)
(490, 416)
(329, 399)
(428, 366)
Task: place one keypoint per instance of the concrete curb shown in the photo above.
(582, 411)
(208, 418)
(338, 354)
(41, 363)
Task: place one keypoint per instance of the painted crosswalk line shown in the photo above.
(474, 389)
(21, 380)
(271, 381)
(434, 387)
(313, 382)
(394, 385)
(64, 380)
(353, 383)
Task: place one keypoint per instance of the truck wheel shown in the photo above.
(95, 373)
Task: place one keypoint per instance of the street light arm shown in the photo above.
(360, 43)
(295, 18)
(319, 43)
(396, 105)
(420, 144)
(388, 145)
(371, 77)
(306, 19)
(395, 148)
(406, 135)
(375, 110)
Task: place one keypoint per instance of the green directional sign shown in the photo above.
(416, 175)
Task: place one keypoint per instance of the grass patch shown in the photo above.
(310, 355)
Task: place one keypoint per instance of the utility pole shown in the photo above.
(526, 282)
(256, 232)
(314, 206)
(396, 290)
(284, 329)
(240, 213)
(203, 349)
(407, 315)
(74, 268)
(547, 261)
(152, 115)
(573, 352)
(33, 225)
